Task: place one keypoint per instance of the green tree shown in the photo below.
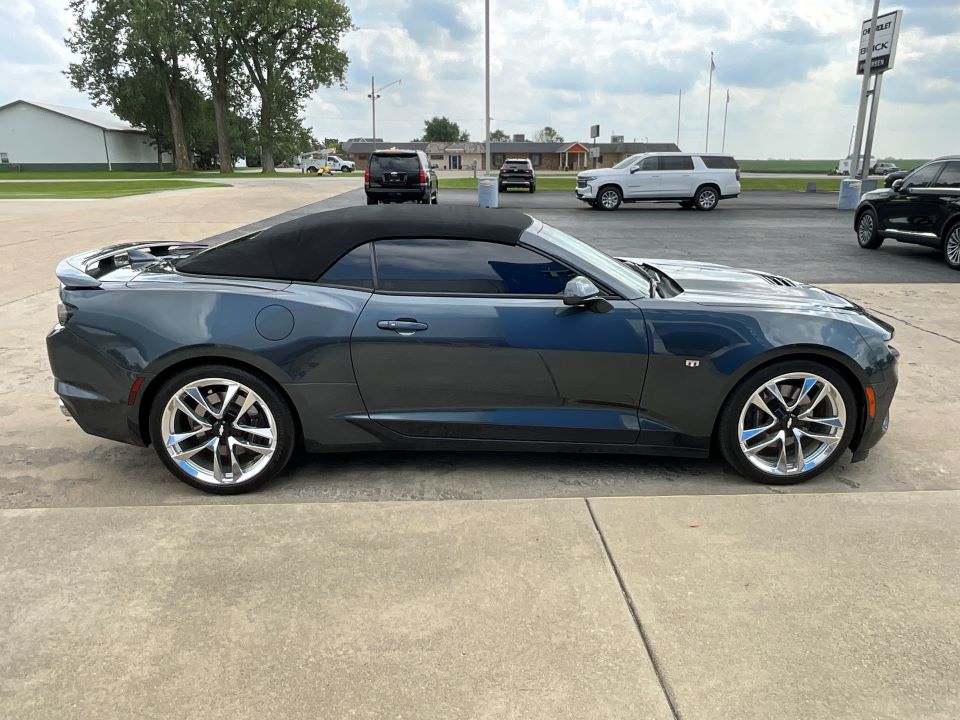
(289, 48)
(442, 129)
(120, 39)
(548, 135)
(499, 136)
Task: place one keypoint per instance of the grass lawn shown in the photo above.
(85, 190)
(567, 184)
(156, 175)
(814, 167)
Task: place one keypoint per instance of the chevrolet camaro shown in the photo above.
(457, 328)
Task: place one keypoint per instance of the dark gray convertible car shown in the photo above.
(457, 328)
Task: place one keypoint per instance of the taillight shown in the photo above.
(423, 176)
(738, 173)
(366, 174)
(64, 312)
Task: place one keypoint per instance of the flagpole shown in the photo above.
(706, 142)
(679, 103)
(726, 109)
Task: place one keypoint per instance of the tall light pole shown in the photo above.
(374, 95)
(486, 41)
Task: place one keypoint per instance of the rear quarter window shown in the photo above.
(719, 162)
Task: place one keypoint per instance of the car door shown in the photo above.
(471, 340)
(643, 179)
(914, 212)
(676, 176)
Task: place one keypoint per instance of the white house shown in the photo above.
(38, 136)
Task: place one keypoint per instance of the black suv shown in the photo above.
(399, 176)
(922, 208)
(517, 173)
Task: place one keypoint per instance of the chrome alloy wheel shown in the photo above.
(865, 230)
(707, 199)
(219, 431)
(952, 247)
(609, 199)
(792, 424)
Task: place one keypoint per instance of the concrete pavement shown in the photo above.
(126, 593)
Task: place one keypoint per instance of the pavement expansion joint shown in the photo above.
(915, 327)
(635, 615)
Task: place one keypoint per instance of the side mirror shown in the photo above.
(897, 184)
(580, 292)
(634, 169)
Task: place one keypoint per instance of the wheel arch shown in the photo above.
(843, 364)
(171, 365)
(864, 207)
(709, 183)
(949, 224)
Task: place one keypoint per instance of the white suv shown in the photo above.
(695, 180)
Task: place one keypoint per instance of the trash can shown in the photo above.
(487, 192)
(849, 194)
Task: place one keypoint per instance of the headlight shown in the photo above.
(588, 178)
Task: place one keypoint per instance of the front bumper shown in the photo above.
(876, 426)
(585, 193)
(93, 389)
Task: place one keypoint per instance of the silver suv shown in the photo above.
(695, 180)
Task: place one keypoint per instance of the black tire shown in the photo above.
(609, 198)
(687, 204)
(533, 188)
(372, 201)
(707, 198)
(728, 428)
(285, 429)
(435, 199)
(868, 233)
(311, 169)
(951, 247)
(501, 188)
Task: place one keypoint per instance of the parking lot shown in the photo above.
(579, 586)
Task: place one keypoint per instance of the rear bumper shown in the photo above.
(421, 192)
(93, 389)
(516, 181)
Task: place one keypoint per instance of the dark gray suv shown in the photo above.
(400, 176)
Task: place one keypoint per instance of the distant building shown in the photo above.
(544, 156)
(38, 136)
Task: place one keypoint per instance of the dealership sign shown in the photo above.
(884, 42)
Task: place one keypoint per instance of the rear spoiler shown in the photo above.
(84, 270)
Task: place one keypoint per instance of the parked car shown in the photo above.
(890, 178)
(695, 180)
(884, 168)
(923, 208)
(457, 328)
(400, 176)
(337, 163)
(517, 173)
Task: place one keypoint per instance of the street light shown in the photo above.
(374, 95)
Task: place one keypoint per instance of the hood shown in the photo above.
(711, 284)
(599, 172)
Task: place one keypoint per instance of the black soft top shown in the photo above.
(303, 249)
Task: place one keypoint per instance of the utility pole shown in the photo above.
(726, 109)
(486, 41)
(706, 142)
(864, 89)
(679, 103)
(374, 96)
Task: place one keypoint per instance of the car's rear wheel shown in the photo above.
(435, 199)
(221, 429)
(609, 198)
(788, 422)
(706, 198)
(533, 187)
(951, 247)
(868, 234)
(372, 201)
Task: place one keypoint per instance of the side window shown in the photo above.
(922, 177)
(650, 163)
(352, 270)
(467, 267)
(676, 162)
(950, 177)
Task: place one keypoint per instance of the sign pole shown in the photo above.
(373, 106)
(679, 103)
(486, 50)
(875, 100)
(864, 88)
(726, 109)
(706, 142)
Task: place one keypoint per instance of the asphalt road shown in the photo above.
(799, 235)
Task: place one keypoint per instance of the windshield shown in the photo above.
(599, 259)
(627, 161)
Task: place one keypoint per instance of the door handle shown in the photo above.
(403, 327)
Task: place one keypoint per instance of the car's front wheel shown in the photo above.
(868, 234)
(609, 198)
(221, 429)
(706, 198)
(787, 422)
(951, 247)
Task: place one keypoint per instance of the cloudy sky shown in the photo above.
(789, 67)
